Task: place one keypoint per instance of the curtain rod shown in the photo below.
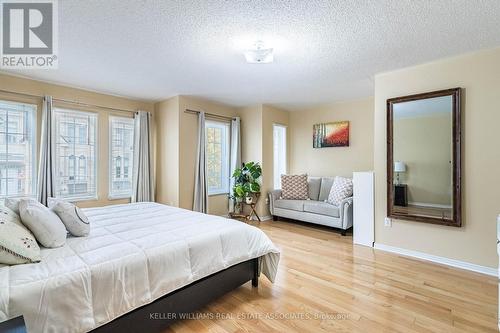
(67, 101)
(211, 115)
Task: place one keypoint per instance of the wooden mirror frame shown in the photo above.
(456, 220)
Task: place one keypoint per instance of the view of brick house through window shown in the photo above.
(121, 156)
(75, 150)
(17, 149)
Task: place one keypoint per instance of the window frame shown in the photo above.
(111, 195)
(34, 147)
(277, 178)
(77, 198)
(225, 156)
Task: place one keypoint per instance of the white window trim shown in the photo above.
(286, 153)
(96, 149)
(34, 156)
(110, 164)
(225, 156)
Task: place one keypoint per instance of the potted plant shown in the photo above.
(246, 182)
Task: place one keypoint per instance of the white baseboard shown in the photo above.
(437, 259)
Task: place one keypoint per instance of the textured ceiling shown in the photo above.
(324, 50)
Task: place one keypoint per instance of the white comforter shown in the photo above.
(134, 254)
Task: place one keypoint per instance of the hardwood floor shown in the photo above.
(325, 284)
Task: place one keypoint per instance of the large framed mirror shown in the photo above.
(424, 157)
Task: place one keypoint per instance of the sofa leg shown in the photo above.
(343, 232)
(275, 218)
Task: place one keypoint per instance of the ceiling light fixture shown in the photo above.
(259, 54)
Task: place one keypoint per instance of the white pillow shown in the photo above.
(75, 221)
(341, 189)
(17, 244)
(13, 204)
(51, 202)
(43, 223)
(8, 215)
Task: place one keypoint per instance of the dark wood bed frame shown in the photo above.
(158, 315)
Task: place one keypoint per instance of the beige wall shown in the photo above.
(167, 161)
(270, 116)
(338, 160)
(176, 153)
(32, 87)
(251, 133)
(424, 145)
(257, 144)
(252, 143)
(479, 75)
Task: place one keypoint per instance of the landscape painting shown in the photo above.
(334, 134)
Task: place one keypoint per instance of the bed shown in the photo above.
(136, 256)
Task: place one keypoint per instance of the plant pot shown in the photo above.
(249, 200)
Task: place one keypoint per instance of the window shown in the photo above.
(279, 154)
(76, 154)
(121, 154)
(17, 149)
(217, 147)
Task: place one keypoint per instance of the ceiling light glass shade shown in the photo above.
(259, 56)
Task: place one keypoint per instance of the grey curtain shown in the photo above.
(200, 200)
(46, 165)
(143, 180)
(235, 159)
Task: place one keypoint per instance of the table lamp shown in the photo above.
(398, 168)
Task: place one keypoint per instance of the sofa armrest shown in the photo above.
(273, 196)
(346, 213)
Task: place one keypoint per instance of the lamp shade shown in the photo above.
(399, 166)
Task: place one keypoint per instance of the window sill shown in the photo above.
(73, 199)
(119, 197)
(215, 194)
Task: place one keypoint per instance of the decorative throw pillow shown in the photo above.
(51, 202)
(341, 189)
(8, 215)
(13, 204)
(43, 223)
(17, 244)
(75, 221)
(294, 187)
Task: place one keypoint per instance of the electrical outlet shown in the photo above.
(267, 201)
(388, 222)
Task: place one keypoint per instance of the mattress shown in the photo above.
(134, 254)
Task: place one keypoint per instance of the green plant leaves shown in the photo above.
(247, 179)
(254, 187)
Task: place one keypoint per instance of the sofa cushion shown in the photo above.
(294, 187)
(326, 186)
(314, 184)
(297, 205)
(341, 189)
(321, 208)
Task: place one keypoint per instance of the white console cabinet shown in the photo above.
(363, 208)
